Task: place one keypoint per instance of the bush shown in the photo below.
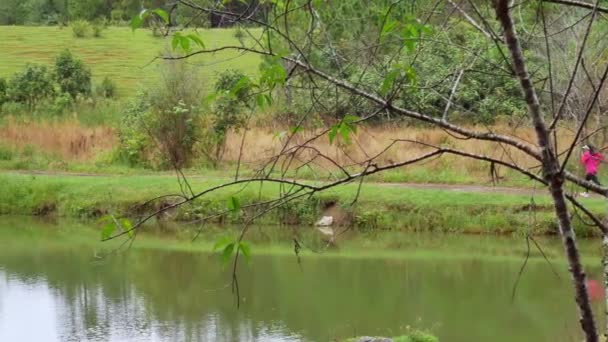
(61, 103)
(233, 97)
(3, 86)
(81, 28)
(73, 77)
(117, 16)
(98, 26)
(165, 117)
(106, 89)
(31, 85)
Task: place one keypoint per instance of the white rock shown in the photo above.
(325, 221)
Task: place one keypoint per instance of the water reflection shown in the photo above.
(60, 294)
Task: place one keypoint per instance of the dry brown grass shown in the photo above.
(369, 141)
(67, 139)
(73, 141)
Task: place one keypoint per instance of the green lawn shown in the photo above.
(120, 54)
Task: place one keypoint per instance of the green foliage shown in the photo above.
(87, 9)
(161, 126)
(106, 89)
(111, 225)
(31, 85)
(73, 77)
(231, 100)
(120, 54)
(345, 127)
(3, 90)
(227, 246)
(97, 27)
(6, 154)
(81, 28)
(156, 15)
(117, 16)
(61, 103)
(369, 220)
(133, 138)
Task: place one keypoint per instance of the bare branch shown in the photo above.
(580, 4)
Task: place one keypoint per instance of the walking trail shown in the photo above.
(430, 186)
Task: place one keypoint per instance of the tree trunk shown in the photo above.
(605, 264)
(551, 172)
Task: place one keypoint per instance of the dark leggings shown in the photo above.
(593, 178)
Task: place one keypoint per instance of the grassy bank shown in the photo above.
(120, 54)
(380, 207)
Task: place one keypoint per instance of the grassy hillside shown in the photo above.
(121, 54)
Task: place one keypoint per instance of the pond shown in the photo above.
(54, 287)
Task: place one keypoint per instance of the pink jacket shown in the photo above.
(591, 161)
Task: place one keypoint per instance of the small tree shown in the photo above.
(107, 88)
(31, 85)
(163, 119)
(233, 94)
(72, 75)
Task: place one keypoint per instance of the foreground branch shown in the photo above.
(551, 172)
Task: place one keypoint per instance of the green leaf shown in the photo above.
(222, 242)
(137, 20)
(388, 81)
(273, 74)
(210, 98)
(127, 226)
(175, 41)
(195, 38)
(227, 252)
(243, 83)
(261, 100)
(245, 249)
(388, 27)
(108, 230)
(185, 44)
(345, 132)
(332, 133)
(162, 14)
(234, 204)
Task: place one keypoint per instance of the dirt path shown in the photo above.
(430, 186)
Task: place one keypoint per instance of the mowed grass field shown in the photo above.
(121, 54)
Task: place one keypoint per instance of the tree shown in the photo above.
(31, 85)
(73, 77)
(330, 64)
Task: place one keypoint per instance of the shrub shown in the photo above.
(233, 97)
(31, 85)
(6, 153)
(81, 28)
(3, 86)
(98, 26)
(72, 75)
(61, 103)
(117, 16)
(106, 89)
(164, 117)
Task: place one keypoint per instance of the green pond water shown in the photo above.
(54, 287)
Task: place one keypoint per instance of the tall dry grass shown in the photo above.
(72, 141)
(261, 144)
(68, 139)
